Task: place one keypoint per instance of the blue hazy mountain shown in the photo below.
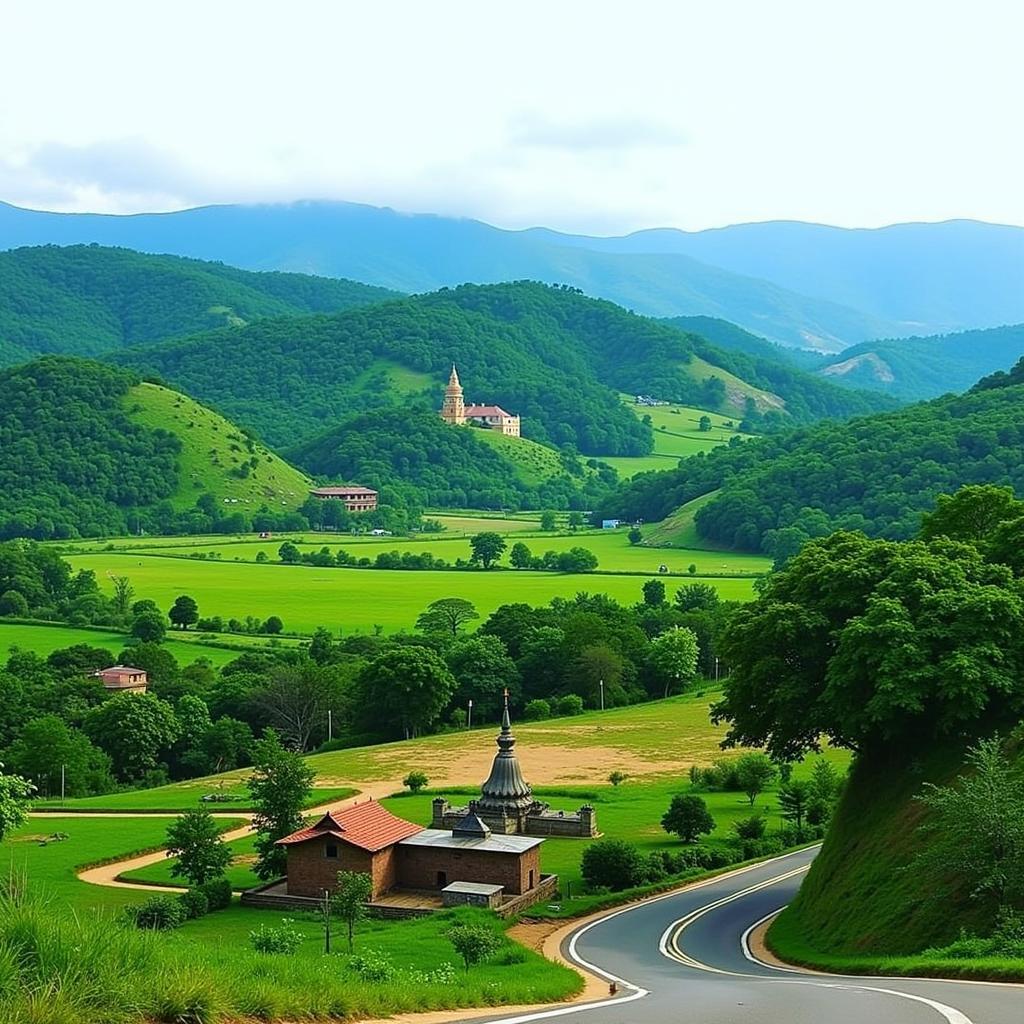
(804, 285)
(416, 253)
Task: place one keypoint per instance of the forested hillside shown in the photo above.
(550, 354)
(914, 368)
(87, 449)
(86, 300)
(416, 460)
(876, 474)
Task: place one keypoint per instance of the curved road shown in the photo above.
(683, 958)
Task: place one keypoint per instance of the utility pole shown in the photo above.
(469, 717)
(330, 725)
(326, 907)
(601, 687)
(62, 784)
(716, 668)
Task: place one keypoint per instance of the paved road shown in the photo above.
(681, 959)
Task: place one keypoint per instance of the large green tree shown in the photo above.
(135, 730)
(447, 615)
(279, 785)
(867, 641)
(195, 840)
(487, 548)
(47, 747)
(14, 796)
(674, 657)
(406, 689)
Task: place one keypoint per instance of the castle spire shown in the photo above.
(454, 378)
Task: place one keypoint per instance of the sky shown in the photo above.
(597, 117)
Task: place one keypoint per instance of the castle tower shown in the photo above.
(506, 793)
(453, 408)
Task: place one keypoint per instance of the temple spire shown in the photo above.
(505, 792)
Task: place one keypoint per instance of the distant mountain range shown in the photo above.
(803, 285)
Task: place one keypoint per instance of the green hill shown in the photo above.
(550, 354)
(87, 300)
(916, 368)
(876, 473)
(87, 449)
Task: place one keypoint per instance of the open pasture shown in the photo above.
(354, 600)
(44, 639)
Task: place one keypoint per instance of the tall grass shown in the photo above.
(58, 967)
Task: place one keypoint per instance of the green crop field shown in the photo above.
(355, 599)
(213, 452)
(44, 639)
(679, 530)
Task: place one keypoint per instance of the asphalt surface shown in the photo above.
(682, 958)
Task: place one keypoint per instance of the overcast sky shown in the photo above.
(591, 116)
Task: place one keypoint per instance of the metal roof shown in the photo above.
(442, 839)
(477, 888)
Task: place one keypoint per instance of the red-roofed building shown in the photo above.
(454, 410)
(356, 498)
(123, 679)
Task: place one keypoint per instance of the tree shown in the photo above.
(613, 864)
(123, 594)
(674, 656)
(279, 785)
(447, 615)
(272, 626)
(487, 548)
(289, 553)
(794, 798)
(483, 671)
(616, 778)
(295, 700)
(754, 771)
(548, 521)
(46, 745)
(415, 781)
(870, 643)
(974, 831)
(14, 604)
(321, 647)
(355, 890)
(696, 597)
(134, 729)
(520, 556)
(195, 840)
(654, 593)
(750, 828)
(704, 424)
(575, 520)
(226, 745)
(973, 514)
(184, 612)
(634, 536)
(14, 796)
(474, 943)
(408, 687)
(688, 817)
(149, 626)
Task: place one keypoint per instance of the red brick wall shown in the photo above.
(310, 871)
(418, 867)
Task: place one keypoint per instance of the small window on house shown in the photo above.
(331, 851)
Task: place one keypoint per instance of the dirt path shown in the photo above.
(107, 874)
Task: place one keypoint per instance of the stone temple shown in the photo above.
(506, 804)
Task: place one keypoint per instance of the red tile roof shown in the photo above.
(366, 825)
(354, 489)
(485, 410)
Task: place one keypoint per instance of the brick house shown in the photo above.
(400, 855)
(123, 679)
(356, 498)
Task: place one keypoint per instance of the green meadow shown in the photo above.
(44, 639)
(358, 600)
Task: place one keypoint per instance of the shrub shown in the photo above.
(616, 778)
(570, 704)
(613, 863)
(474, 943)
(537, 709)
(750, 828)
(284, 939)
(194, 903)
(688, 817)
(415, 781)
(217, 892)
(373, 965)
(159, 913)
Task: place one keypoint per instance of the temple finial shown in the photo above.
(506, 722)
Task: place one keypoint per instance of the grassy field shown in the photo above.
(90, 840)
(355, 600)
(737, 391)
(679, 530)
(45, 639)
(212, 448)
(534, 463)
(677, 434)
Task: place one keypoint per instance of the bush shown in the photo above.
(613, 863)
(415, 781)
(217, 892)
(750, 828)
(373, 966)
(159, 913)
(688, 817)
(13, 603)
(536, 710)
(284, 939)
(570, 704)
(195, 903)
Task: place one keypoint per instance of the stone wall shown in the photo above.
(539, 821)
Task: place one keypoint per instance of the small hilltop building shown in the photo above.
(455, 411)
